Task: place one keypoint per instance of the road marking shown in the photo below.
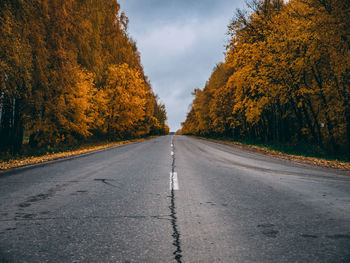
(172, 145)
(174, 183)
(172, 153)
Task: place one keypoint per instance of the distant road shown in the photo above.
(175, 199)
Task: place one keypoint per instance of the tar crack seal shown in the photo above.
(176, 233)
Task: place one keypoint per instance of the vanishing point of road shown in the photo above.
(175, 199)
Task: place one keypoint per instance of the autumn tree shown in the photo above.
(288, 79)
(15, 71)
(69, 72)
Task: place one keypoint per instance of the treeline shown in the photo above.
(285, 78)
(69, 72)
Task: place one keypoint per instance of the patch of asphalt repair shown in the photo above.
(176, 234)
(43, 196)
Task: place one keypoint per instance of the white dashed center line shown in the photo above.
(174, 185)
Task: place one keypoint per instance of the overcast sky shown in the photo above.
(180, 42)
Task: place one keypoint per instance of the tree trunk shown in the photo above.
(334, 146)
(6, 123)
(316, 122)
(17, 137)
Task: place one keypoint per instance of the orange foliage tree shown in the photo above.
(70, 72)
(287, 77)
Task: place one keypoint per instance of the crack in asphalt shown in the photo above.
(105, 181)
(176, 234)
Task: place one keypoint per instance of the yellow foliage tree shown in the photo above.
(69, 72)
(289, 78)
(126, 100)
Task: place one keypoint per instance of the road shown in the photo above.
(175, 199)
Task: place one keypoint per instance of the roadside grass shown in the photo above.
(303, 153)
(29, 156)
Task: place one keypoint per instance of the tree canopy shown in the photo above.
(68, 72)
(285, 78)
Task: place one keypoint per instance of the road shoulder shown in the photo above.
(34, 161)
(295, 158)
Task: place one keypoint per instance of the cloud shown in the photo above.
(179, 58)
(180, 42)
(167, 41)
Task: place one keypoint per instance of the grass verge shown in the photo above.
(277, 151)
(20, 161)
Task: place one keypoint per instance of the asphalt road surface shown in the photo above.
(175, 199)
